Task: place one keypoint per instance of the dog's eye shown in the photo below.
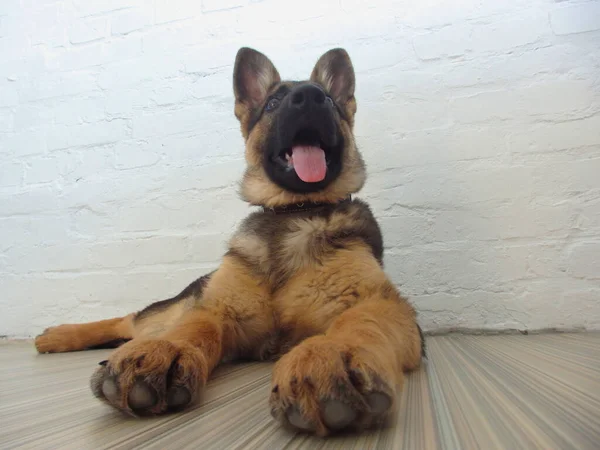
(272, 104)
(329, 101)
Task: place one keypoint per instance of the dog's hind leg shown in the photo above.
(111, 333)
(71, 337)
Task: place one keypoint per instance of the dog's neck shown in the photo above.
(305, 206)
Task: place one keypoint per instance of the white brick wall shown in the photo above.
(479, 121)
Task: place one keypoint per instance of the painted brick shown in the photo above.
(406, 116)
(88, 30)
(589, 219)
(60, 137)
(459, 39)
(406, 228)
(189, 148)
(576, 18)
(170, 93)
(54, 37)
(573, 298)
(173, 10)
(200, 118)
(440, 187)
(10, 6)
(569, 178)
(67, 166)
(221, 5)
(33, 115)
(486, 309)
(131, 20)
(29, 142)
(160, 214)
(552, 100)
(445, 43)
(584, 260)
(8, 95)
(94, 55)
(131, 72)
(457, 266)
(11, 174)
(210, 176)
(140, 252)
(50, 85)
(29, 201)
(558, 136)
(91, 191)
(133, 154)
(209, 60)
(7, 120)
(478, 121)
(96, 7)
(43, 170)
(124, 103)
(80, 110)
(471, 224)
(66, 60)
(208, 248)
(434, 146)
(189, 32)
(12, 47)
(509, 34)
(35, 229)
(514, 67)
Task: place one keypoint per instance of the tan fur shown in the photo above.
(71, 337)
(308, 287)
(155, 325)
(241, 302)
(312, 299)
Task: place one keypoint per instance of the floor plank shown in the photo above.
(474, 392)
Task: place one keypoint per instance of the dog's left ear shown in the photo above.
(253, 75)
(335, 73)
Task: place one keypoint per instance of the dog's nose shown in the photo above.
(308, 96)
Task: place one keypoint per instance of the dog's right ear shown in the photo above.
(253, 75)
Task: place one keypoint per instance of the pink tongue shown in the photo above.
(309, 163)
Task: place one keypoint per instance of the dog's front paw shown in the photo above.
(322, 386)
(151, 377)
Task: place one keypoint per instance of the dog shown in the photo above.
(302, 282)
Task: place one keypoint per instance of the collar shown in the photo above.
(305, 206)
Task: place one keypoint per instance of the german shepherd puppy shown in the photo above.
(302, 281)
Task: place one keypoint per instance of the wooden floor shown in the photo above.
(475, 392)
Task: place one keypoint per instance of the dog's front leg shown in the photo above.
(154, 375)
(350, 376)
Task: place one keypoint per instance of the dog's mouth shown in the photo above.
(308, 156)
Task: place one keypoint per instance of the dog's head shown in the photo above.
(299, 141)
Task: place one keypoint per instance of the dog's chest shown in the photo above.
(311, 299)
(277, 248)
(316, 268)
